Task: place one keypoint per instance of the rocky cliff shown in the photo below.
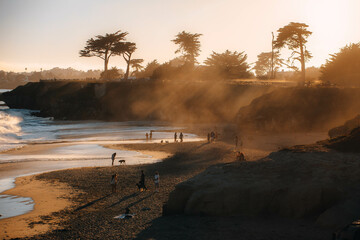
(180, 102)
(300, 109)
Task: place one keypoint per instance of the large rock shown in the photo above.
(287, 183)
(348, 143)
(346, 128)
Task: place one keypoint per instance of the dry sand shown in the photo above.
(49, 197)
(89, 208)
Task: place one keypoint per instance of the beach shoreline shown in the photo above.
(95, 206)
(60, 194)
(49, 197)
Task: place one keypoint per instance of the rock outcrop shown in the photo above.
(346, 128)
(348, 143)
(300, 109)
(292, 183)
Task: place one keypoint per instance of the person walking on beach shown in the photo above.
(175, 137)
(147, 136)
(141, 184)
(181, 137)
(113, 183)
(151, 134)
(113, 158)
(157, 181)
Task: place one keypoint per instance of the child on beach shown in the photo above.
(157, 181)
(181, 137)
(113, 183)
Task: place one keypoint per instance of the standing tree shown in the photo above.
(228, 64)
(267, 65)
(136, 65)
(294, 36)
(103, 46)
(125, 49)
(343, 68)
(189, 46)
(149, 69)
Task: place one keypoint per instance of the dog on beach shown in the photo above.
(122, 161)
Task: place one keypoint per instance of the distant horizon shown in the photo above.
(46, 34)
(28, 71)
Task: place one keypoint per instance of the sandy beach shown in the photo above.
(88, 208)
(49, 197)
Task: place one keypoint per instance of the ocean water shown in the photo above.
(69, 144)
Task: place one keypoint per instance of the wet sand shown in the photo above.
(49, 196)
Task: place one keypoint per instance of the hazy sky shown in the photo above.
(48, 33)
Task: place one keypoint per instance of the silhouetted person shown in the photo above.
(151, 134)
(127, 210)
(181, 137)
(113, 183)
(147, 136)
(175, 137)
(208, 136)
(113, 159)
(157, 181)
(141, 184)
(240, 156)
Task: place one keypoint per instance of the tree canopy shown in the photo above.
(229, 64)
(263, 64)
(111, 74)
(103, 46)
(189, 45)
(136, 65)
(343, 68)
(148, 70)
(125, 49)
(294, 36)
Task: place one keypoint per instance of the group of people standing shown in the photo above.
(181, 137)
(149, 136)
(141, 184)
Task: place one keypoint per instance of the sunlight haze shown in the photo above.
(45, 34)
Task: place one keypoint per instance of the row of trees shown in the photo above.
(229, 64)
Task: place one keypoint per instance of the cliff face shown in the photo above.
(300, 109)
(178, 102)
